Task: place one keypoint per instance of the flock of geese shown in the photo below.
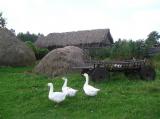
(68, 91)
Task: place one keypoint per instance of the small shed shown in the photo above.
(83, 39)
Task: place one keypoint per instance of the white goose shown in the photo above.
(55, 96)
(67, 90)
(88, 89)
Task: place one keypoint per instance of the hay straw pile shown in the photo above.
(61, 60)
(14, 52)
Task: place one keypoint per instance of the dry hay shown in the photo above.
(61, 61)
(14, 52)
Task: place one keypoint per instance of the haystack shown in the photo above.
(14, 52)
(61, 61)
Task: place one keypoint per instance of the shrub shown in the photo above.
(128, 49)
(32, 46)
(41, 52)
(99, 53)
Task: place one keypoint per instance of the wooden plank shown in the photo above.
(83, 67)
(115, 62)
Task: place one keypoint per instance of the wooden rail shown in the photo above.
(114, 65)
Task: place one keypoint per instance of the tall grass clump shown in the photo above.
(128, 49)
(155, 59)
(99, 53)
(121, 50)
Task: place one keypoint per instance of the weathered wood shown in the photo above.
(147, 73)
(117, 65)
(83, 67)
(153, 51)
(99, 74)
(99, 70)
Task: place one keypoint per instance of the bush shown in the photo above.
(39, 52)
(128, 49)
(32, 46)
(121, 50)
(99, 53)
(156, 57)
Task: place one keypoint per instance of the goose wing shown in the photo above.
(57, 95)
(91, 88)
(69, 89)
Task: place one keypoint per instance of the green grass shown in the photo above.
(24, 95)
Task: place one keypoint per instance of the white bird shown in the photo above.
(88, 89)
(68, 90)
(117, 65)
(55, 96)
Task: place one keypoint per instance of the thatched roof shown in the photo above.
(14, 52)
(76, 38)
(61, 60)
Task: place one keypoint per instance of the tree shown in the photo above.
(2, 21)
(27, 37)
(153, 38)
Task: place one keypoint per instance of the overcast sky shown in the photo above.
(128, 19)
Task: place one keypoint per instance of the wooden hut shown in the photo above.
(83, 39)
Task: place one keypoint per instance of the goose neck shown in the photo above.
(51, 89)
(65, 83)
(87, 80)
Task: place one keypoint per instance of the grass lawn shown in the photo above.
(24, 95)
